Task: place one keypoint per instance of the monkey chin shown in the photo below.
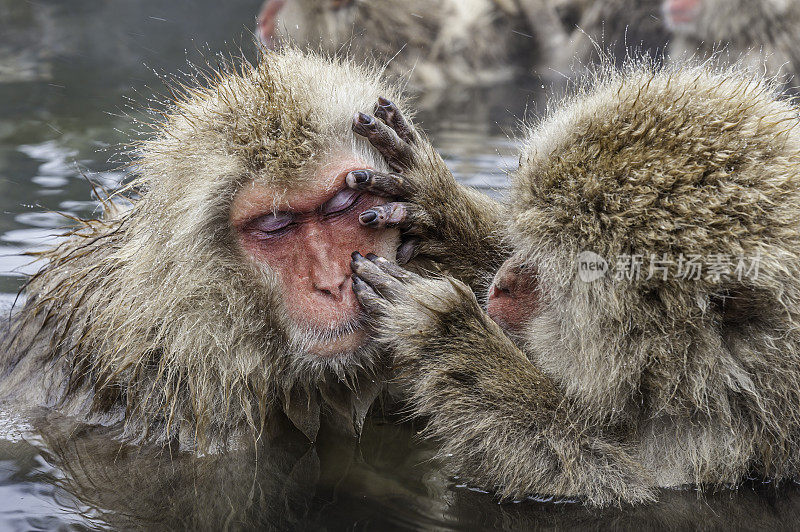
(336, 344)
(341, 345)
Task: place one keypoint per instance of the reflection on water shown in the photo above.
(66, 70)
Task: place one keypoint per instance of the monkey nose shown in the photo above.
(333, 287)
(504, 283)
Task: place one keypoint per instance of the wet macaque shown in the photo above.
(220, 300)
(615, 27)
(763, 35)
(433, 43)
(645, 330)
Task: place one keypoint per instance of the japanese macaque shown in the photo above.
(613, 27)
(220, 299)
(588, 377)
(433, 43)
(764, 35)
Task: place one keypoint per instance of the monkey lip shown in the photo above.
(339, 340)
(342, 344)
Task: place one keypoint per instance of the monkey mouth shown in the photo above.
(341, 339)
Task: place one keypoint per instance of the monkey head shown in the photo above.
(618, 191)
(222, 296)
(476, 41)
(748, 24)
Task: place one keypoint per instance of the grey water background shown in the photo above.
(69, 71)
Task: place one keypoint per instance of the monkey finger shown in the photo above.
(407, 250)
(390, 267)
(384, 283)
(378, 183)
(389, 113)
(397, 152)
(394, 214)
(369, 299)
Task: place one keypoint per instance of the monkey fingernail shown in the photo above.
(358, 177)
(365, 119)
(368, 217)
(383, 102)
(364, 124)
(381, 113)
(356, 255)
(372, 256)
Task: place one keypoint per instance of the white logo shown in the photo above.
(591, 266)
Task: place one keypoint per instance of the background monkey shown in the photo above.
(220, 299)
(763, 35)
(478, 42)
(607, 388)
(615, 26)
(436, 43)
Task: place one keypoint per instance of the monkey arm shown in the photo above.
(503, 423)
(446, 226)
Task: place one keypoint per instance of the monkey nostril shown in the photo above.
(498, 290)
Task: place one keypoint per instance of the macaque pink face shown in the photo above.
(266, 24)
(681, 14)
(307, 236)
(514, 297)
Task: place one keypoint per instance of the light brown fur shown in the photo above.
(433, 44)
(617, 387)
(151, 319)
(763, 35)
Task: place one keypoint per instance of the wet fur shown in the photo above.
(151, 318)
(616, 388)
(433, 44)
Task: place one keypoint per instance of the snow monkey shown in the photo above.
(765, 35)
(220, 300)
(437, 42)
(645, 330)
(615, 26)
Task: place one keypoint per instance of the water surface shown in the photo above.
(68, 73)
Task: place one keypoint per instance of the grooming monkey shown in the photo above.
(608, 387)
(615, 26)
(220, 300)
(439, 42)
(764, 35)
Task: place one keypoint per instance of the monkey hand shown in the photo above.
(499, 420)
(445, 226)
(421, 319)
